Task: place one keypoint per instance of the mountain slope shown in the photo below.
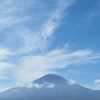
(50, 87)
(51, 78)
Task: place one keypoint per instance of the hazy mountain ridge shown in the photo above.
(50, 87)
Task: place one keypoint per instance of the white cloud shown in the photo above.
(3, 89)
(31, 85)
(8, 16)
(75, 72)
(37, 86)
(93, 87)
(92, 14)
(4, 53)
(15, 90)
(40, 39)
(32, 67)
(3, 77)
(50, 85)
(71, 82)
(17, 15)
(4, 65)
(97, 81)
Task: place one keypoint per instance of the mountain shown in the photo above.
(50, 87)
(51, 78)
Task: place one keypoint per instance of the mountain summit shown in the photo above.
(50, 87)
(51, 78)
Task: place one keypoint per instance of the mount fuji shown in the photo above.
(50, 87)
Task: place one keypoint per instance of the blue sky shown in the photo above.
(49, 36)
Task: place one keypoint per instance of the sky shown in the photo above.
(39, 37)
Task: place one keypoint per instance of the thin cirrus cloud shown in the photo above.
(32, 27)
(3, 77)
(8, 14)
(40, 39)
(56, 59)
(20, 28)
(92, 15)
(4, 53)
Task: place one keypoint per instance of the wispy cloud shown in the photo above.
(58, 58)
(95, 86)
(28, 28)
(4, 66)
(75, 72)
(91, 16)
(4, 53)
(97, 81)
(34, 28)
(3, 89)
(9, 14)
(3, 77)
(39, 40)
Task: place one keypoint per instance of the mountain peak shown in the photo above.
(51, 78)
